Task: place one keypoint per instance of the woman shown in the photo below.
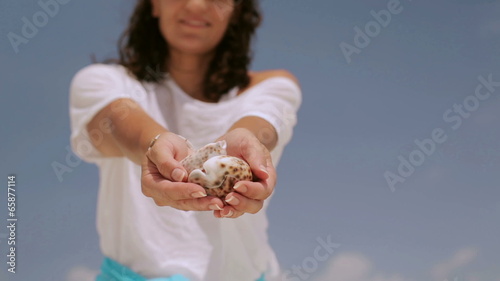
(182, 81)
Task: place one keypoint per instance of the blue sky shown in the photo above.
(360, 116)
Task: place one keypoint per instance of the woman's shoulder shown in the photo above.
(257, 77)
(97, 69)
(102, 75)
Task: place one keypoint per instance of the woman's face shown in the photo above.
(193, 26)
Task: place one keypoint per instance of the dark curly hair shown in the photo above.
(144, 51)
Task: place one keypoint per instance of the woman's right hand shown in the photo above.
(163, 177)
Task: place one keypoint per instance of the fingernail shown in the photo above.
(232, 200)
(229, 214)
(264, 169)
(178, 174)
(240, 187)
(198, 194)
(214, 207)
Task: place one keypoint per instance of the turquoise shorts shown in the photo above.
(114, 271)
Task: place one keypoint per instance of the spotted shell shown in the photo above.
(196, 160)
(217, 172)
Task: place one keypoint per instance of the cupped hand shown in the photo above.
(163, 176)
(249, 196)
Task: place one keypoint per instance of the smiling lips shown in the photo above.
(195, 23)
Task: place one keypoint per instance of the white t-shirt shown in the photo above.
(161, 241)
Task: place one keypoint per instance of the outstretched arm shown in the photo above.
(126, 130)
(129, 131)
(251, 139)
(260, 128)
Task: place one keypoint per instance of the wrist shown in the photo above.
(264, 131)
(153, 141)
(149, 138)
(182, 139)
(236, 132)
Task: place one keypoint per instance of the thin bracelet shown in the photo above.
(153, 141)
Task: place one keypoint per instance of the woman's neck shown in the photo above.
(189, 71)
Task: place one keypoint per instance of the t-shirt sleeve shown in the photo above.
(277, 101)
(93, 88)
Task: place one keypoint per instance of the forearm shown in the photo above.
(263, 130)
(126, 130)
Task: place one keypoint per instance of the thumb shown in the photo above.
(256, 158)
(166, 163)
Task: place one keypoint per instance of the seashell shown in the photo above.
(217, 172)
(196, 160)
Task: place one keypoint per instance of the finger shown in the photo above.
(216, 206)
(200, 204)
(155, 185)
(271, 180)
(256, 155)
(178, 190)
(254, 190)
(244, 204)
(230, 212)
(217, 214)
(165, 162)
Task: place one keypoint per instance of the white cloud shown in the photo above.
(444, 269)
(81, 273)
(357, 267)
(349, 267)
(354, 267)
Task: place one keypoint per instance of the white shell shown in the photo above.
(196, 160)
(215, 171)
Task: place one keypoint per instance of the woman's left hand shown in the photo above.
(249, 196)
